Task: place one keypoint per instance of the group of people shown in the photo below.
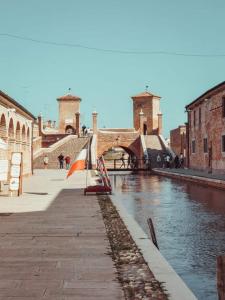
(61, 160)
(168, 162)
(132, 162)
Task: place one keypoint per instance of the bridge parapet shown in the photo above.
(130, 141)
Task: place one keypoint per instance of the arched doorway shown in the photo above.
(70, 129)
(145, 129)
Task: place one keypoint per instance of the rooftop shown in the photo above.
(69, 97)
(145, 94)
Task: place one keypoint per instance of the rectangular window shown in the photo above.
(223, 107)
(223, 143)
(194, 118)
(205, 145)
(200, 116)
(193, 146)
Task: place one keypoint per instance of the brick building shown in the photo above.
(147, 106)
(206, 131)
(178, 140)
(69, 109)
(16, 130)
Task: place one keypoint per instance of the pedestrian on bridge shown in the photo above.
(123, 161)
(159, 161)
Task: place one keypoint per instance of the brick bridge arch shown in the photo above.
(129, 141)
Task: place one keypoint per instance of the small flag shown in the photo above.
(79, 163)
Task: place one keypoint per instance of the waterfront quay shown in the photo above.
(53, 242)
(54, 245)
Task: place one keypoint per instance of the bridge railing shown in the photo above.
(137, 164)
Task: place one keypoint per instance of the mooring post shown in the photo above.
(152, 232)
(221, 277)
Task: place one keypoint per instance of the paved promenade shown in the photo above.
(53, 243)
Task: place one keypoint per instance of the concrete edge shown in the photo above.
(159, 266)
(217, 183)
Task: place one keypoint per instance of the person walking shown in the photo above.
(83, 130)
(123, 161)
(167, 161)
(181, 160)
(176, 162)
(158, 160)
(61, 161)
(45, 161)
(67, 160)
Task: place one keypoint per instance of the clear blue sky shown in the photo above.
(36, 74)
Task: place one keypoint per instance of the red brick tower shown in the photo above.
(69, 106)
(152, 118)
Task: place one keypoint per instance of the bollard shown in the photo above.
(152, 232)
(221, 277)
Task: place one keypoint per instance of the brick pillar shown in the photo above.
(40, 125)
(77, 123)
(160, 123)
(141, 122)
(94, 121)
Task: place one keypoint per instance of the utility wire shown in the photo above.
(146, 52)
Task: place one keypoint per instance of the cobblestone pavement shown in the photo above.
(194, 173)
(53, 243)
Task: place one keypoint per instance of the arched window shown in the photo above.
(28, 135)
(18, 134)
(11, 129)
(23, 134)
(2, 126)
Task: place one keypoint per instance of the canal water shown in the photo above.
(189, 221)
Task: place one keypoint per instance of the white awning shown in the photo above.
(3, 145)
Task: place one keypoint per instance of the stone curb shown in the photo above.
(161, 269)
(217, 183)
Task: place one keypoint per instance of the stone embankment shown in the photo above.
(137, 280)
(199, 177)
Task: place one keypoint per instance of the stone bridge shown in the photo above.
(127, 139)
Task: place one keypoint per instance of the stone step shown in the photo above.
(70, 147)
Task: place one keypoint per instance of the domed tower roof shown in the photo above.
(69, 97)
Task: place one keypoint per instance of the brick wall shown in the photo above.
(210, 126)
(178, 140)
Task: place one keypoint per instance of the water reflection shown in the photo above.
(189, 222)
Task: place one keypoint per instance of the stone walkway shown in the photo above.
(53, 243)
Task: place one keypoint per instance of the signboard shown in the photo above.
(15, 183)
(15, 171)
(4, 167)
(16, 158)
